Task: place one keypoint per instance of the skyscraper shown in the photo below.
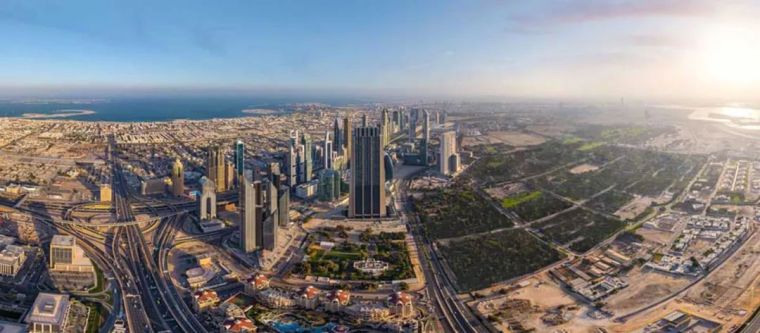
(329, 185)
(293, 159)
(239, 158)
(337, 138)
(386, 126)
(328, 152)
(448, 150)
(413, 113)
(215, 167)
(283, 206)
(367, 189)
(251, 215)
(270, 227)
(364, 119)
(347, 136)
(208, 199)
(308, 157)
(178, 178)
(425, 137)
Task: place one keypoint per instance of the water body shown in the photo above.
(294, 327)
(148, 109)
(733, 116)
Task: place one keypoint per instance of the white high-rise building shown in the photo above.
(448, 159)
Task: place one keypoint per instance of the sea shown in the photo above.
(141, 109)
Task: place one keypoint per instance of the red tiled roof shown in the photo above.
(206, 296)
(310, 292)
(342, 296)
(239, 325)
(258, 280)
(400, 297)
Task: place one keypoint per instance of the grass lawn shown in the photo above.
(515, 200)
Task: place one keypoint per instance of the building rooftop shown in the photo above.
(239, 325)
(309, 292)
(62, 240)
(49, 308)
(6, 240)
(11, 253)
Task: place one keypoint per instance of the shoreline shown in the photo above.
(66, 113)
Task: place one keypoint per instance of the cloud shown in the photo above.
(655, 41)
(546, 20)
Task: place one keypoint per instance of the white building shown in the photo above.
(448, 159)
(49, 313)
(12, 258)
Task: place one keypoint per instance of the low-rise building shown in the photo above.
(401, 304)
(370, 312)
(12, 258)
(49, 313)
(198, 277)
(308, 297)
(337, 300)
(276, 299)
(256, 283)
(205, 299)
(238, 325)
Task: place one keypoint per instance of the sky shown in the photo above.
(662, 49)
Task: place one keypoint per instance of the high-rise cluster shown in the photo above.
(218, 169)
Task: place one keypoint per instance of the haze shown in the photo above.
(548, 49)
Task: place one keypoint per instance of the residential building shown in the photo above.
(308, 297)
(337, 300)
(205, 299)
(215, 167)
(178, 178)
(238, 325)
(401, 304)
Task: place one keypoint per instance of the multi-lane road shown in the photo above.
(453, 315)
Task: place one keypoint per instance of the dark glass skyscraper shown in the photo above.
(239, 159)
(367, 189)
(337, 139)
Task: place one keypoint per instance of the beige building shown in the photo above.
(69, 267)
(205, 299)
(106, 194)
(256, 283)
(178, 178)
(12, 258)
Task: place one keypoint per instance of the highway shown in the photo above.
(753, 325)
(456, 316)
(184, 317)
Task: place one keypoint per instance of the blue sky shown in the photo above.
(406, 48)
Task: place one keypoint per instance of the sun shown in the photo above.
(732, 55)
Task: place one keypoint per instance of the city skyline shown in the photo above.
(545, 49)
